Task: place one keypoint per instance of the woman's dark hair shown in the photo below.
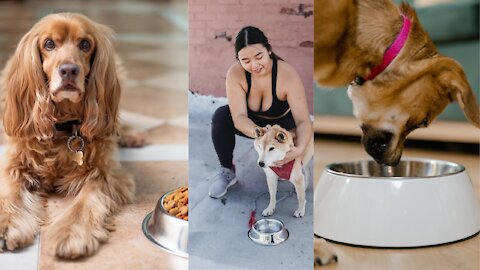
(252, 35)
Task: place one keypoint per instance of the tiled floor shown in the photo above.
(463, 255)
(152, 42)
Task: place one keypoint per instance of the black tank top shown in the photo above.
(278, 107)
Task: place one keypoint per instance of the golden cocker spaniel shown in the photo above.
(62, 92)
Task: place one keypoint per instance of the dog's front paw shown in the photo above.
(18, 229)
(268, 211)
(14, 237)
(132, 139)
(76, 240)
(300, 212)
(322, 252)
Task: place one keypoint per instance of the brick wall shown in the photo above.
(289, 31)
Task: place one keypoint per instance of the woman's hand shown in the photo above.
(291, 155)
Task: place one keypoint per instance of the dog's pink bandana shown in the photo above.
(393, 50)
(285, 170)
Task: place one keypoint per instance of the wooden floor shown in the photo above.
(463, 255)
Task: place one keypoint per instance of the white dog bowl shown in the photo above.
(417, 203)
(168, 232)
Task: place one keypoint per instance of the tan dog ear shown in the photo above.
(455, 81)
(468, 101)
(28, 110)
(281, 137)
(259, 132)
(103, 87)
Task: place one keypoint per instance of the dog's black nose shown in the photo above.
(68, 71)
(261, 164)
(376, 142)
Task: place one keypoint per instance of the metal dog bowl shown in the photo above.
(420, 202)
(167, 231)
(268, 232)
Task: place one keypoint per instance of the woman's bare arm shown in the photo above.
(237, 102)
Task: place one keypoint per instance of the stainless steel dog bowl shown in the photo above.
(406, 169)
(420, 202)
(268, 232)
(167, 231)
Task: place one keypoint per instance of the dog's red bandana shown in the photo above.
(285, 170)
(393, 50)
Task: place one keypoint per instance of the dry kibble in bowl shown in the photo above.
(176, 203)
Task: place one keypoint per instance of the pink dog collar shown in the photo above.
(285, 170)
(393, 50)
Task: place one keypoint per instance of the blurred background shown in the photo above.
(152, 42)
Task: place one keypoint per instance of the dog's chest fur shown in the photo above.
(53, 167)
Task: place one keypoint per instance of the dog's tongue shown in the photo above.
(284, 171)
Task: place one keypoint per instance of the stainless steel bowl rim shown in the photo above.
(461, 168)
(152, 239)
(260, 234)
(151, 233)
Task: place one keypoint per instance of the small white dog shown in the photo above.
(272, 144)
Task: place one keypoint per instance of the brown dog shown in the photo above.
(351, 38)
(62, 90)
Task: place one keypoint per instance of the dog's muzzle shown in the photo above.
(377, 144)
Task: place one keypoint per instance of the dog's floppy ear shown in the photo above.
(28, 111)
(281, 137)
(455, 82)
(103, 87)
(259, 132)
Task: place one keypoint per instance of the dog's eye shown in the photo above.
(271, 148)
(84, 45)
(49, 44)
(424, 123)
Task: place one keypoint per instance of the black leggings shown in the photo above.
(223, 132)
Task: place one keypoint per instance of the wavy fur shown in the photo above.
(38, 160)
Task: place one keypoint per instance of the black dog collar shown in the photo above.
(67, 126)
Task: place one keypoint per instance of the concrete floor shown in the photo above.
(218, 227)
(152, 42)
